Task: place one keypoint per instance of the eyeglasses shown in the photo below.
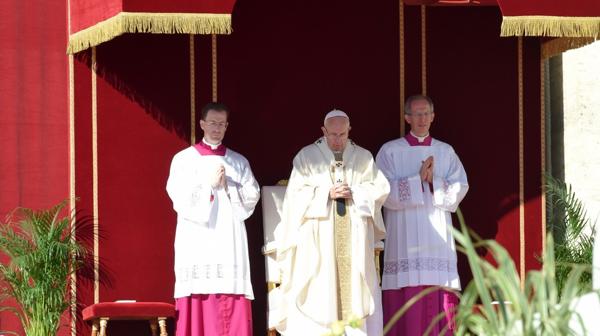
(214, 124)
(420, 114)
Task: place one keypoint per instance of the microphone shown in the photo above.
(338, 177)
(340, 206)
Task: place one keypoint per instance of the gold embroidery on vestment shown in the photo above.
(343, 253)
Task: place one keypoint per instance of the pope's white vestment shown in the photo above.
(306, 241)
(211, 249)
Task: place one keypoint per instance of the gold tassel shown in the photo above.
(568, 26)
(559, 45)
(155, 23)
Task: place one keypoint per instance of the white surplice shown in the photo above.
(211, 248)
(305, 241)
(419, 248)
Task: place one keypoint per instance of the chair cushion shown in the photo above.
(128, 310)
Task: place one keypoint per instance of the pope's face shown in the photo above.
(336, 130)
(214, 126)
(420, 118)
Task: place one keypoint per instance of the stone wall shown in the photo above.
(581, 71)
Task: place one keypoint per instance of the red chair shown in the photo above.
(154, 312)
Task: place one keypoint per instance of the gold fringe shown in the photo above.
(568, 26)
(156, 23)
(559, 45)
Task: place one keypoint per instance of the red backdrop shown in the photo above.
(280, 71)
(473, 78)
(34, 119)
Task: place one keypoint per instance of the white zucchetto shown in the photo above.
(335, 113)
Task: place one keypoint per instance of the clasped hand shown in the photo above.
(426, 171)
(340, 190)
(219, 179)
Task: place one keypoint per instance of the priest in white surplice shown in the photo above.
(427, 182)
(213, 192)
(331, 220)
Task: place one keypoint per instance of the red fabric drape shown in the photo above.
(93, 22)
(34, 131)
(573, 19)
(179, 6)
(34, 111)
(87, 13)
(451, 2)
(581, 8)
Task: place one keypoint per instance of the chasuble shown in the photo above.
(325, 247)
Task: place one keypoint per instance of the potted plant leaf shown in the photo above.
(497, 302)
(41, 254)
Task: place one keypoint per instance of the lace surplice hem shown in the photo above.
(420, 264)
(211, 272)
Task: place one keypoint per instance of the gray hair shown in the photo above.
(414, 98)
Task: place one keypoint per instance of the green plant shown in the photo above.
(42, 255)
(537, 308)
(496, 303)
(576, 244)
(338, 328)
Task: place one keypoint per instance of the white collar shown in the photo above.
(211, 145)
(420, 138)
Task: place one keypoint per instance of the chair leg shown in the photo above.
(162, 322)
(103, 324)
(154, 327)
(95, 327)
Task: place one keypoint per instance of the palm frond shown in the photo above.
(576, 247)
(43, 255)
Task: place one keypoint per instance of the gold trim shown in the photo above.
(402, 70)
(543, 156)
(271, 286)
(424, 50)
(72, 207)
(155, 23)
(192, 91)
(69, 17)
(542, 25)
(95, 178)
(214, 67)
(342, 236)
(521, 166)
(559, 45)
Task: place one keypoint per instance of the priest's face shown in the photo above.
(336, 131)
(420, 117)
(214, 126)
